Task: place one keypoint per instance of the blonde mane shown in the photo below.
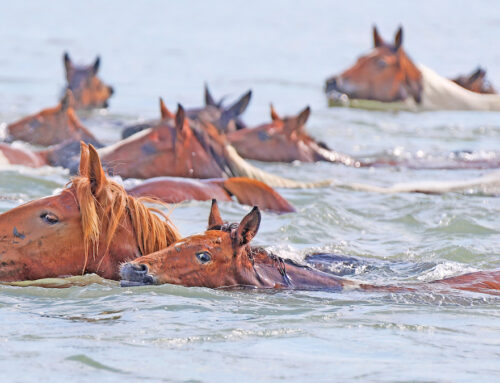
(101, 218)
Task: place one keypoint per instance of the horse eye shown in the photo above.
(381, 63)
(203, 257)
(49, 218)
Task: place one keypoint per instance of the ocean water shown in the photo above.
(283, 51)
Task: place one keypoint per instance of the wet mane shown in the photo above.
(103, 217)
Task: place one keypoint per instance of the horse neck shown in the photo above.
(272, 271)
(441, 93)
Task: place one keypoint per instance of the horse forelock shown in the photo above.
(152, 229)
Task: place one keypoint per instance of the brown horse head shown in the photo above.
(90, 227)
(51, 126)
(89, 90)
(476, 82)
(224, 118)
(386, 74)
(282, 140)
(221, 257)
(165, 150)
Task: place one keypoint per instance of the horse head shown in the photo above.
(221, 257)
(51, 126)
(385, 74)
(171, 148)
(92, 226)
(88, 89)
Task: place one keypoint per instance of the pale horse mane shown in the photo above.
(439, 93)
(153, 230)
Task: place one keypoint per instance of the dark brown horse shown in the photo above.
(88, 89)
(51, 126)
(92, 226)
(245, 190)
(284, 140)
(475, 82)
(223, 258)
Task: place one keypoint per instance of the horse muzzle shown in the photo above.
(335, 92)
(133, 274)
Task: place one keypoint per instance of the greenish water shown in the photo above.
(283, 51)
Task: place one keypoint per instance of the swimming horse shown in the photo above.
(225, 118)
(88, 89)
(51, 126)
(387, 79)
(475, 82)
(223, 257)
(92, 226)
(185, 148)
(284, 139)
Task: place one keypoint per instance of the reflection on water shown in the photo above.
(283, 52)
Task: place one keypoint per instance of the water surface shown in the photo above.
(283, 51)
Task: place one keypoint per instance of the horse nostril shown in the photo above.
(111, 90)
(140, 268)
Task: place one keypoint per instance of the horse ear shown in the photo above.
(180, 118)
(214, 219)
(377, 39)
(478, 73)
(274, 115)
(95, 66)
(67, 62)
(164, 111)
(209, 100)
(68, 100)
(398, 40)
(95, 173)
(303, 116)
(248, 227)
(239, 106)
(84, 159)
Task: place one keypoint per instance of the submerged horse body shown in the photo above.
(245, 190)
(92, 226)
(388, 79)
(223, 258)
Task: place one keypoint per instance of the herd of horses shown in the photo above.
(95, 225)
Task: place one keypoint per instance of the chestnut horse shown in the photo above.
(247, 191)
(50, 126)
(88, 89)
(475, 82)
(386, 78)
(223, 258)
(92, 226)
(168, 149)
(284, 140)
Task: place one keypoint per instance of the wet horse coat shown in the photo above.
(51, 126)
(92, 226)
(88, 89)
(247, 191)
(223, 258)
(284, 140)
